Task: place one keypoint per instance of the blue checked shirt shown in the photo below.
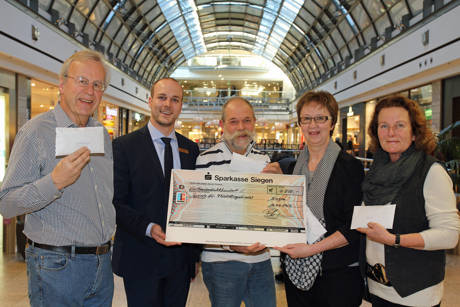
(81, 214)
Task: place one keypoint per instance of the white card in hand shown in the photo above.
(69, 140)
(314, 228)
(244, 164)
(362, 215)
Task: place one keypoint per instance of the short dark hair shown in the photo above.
(167, 78)
(322, 98)
(424, 137)
(236, 98)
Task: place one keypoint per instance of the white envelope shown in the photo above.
(384, 215)
(243, 164)
(69, 140)
(314, 228)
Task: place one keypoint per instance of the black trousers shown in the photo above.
(336, 288)
(153, 291)
(380, 302)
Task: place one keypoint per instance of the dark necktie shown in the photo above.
(168, 161)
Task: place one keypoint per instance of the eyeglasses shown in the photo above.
(318, 119)
(83, 82)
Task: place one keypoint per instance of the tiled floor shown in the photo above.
(13, 286)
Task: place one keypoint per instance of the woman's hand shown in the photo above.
(301, 250)
(378, 233)
(297, 250)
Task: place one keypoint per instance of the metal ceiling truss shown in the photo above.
(310, 41)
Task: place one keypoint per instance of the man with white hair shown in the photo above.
(236, 273)
(70, 218)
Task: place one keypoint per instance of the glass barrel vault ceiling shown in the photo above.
(309, 40)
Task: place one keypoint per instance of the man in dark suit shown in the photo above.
(155, 272)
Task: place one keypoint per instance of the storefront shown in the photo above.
(43, 97)
(4, 101)
(136, 120)
(424, 96)
(14, 112)
(294, 136)
(451, 103)
(352, 124)
(108, 115)
(7, 87)
(268, 135)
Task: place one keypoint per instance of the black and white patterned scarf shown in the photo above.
(303, 271)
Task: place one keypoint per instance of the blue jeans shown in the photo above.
(231, 282)
(62, 279)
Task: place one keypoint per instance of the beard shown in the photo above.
(236, 144)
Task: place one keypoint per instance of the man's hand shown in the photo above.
(272, 168)
(158, 235)
(69, 168)
(254, 249)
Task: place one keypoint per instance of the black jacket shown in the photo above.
(343, 192)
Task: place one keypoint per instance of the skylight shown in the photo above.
(190, 37)
(274, 27)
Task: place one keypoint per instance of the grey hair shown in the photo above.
(85, 55)
(237, 98)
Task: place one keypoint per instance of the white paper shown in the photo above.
(69, 140)
(314, 228)
(243, 164)
(384, 215)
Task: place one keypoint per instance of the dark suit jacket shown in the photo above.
(140, 199)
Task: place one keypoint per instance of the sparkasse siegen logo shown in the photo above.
(208, 176)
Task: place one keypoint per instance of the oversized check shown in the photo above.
(228, 208)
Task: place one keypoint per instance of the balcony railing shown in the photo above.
(266, 147)
(263, 101)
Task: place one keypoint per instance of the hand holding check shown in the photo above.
(158, 235)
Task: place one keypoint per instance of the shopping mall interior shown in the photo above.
(268, 51)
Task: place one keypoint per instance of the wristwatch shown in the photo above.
(397, 241)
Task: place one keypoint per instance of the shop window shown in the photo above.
(136, 120)
(43, 96)
(352, 144)
(423, 95)
(3, 131)
(107, 114)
